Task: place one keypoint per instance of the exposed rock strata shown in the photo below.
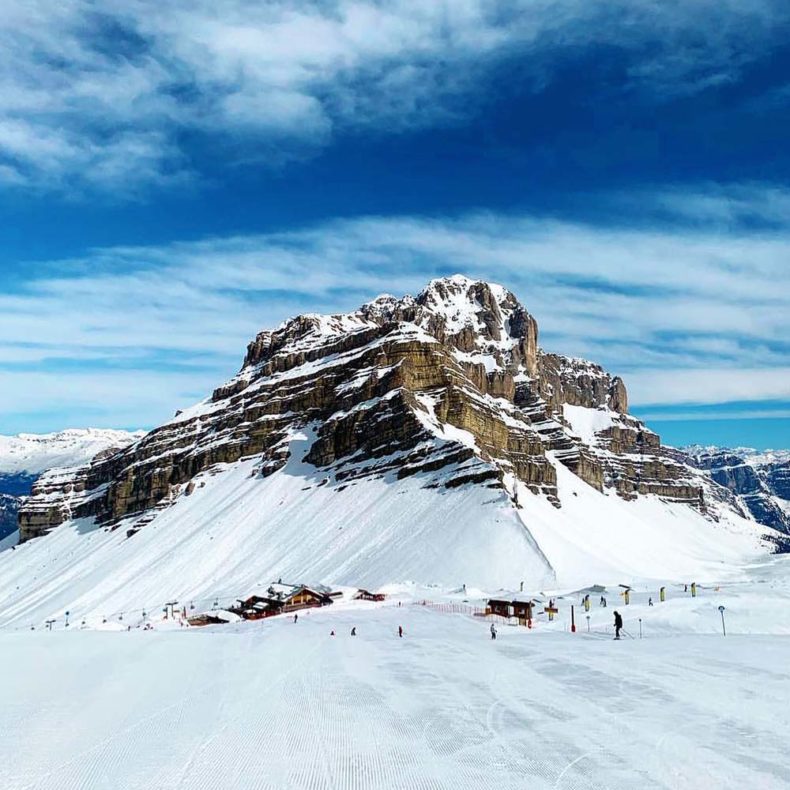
(758, 482)
(450, 385)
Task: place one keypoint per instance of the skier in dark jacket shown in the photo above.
(618, 624)
(400, 630)
(493, 631)
(354, 631)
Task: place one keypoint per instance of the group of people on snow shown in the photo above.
(354, 630)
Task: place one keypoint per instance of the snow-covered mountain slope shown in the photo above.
(759, 479)
(236, 532)
(425, 438)
(24, 457)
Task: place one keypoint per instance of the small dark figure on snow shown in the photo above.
(354, 631)
(618, 624)
(649, 601)
(296, 617)
(603, 602)
(400, 630)
(493, 631)
(331, 633)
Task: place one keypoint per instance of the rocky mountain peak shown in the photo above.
(477, 316)
(449, 386)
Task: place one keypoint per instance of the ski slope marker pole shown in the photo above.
(640, 627)
(573, 621)
(723, 627)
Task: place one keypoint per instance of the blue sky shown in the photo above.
(175, 177)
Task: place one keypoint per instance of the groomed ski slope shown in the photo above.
(277, 704)
(237, 532)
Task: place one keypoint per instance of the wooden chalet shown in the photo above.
(281, 598)
(255, 608)
(522, 608)
(366, 595)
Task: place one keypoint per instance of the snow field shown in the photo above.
(237, 532)
(597, 537)
(277, 704)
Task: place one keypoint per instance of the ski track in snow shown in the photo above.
(285, 705)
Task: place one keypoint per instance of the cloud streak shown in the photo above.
(102, 97)
(691, 315)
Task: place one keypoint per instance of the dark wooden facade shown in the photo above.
(523, 610)
(280, 599)
(366, 595)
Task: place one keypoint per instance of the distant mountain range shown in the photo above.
(25, 457)
(760, 479)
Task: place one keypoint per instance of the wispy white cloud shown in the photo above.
(687, 316)
(101, 94)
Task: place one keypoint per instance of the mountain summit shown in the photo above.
(451, 385)
(426, 438)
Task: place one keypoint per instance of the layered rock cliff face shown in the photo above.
(25, 457)
(760, 482)
(451, 386)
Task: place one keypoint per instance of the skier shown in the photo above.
(603, 602)
(400, 630)
(618, 624)
(331, 633)
(493, 631)
(649, 601)
(296, 617)
(354, 631)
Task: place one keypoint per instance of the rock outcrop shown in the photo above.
(450, 385)
(25, 457)
(760, 482)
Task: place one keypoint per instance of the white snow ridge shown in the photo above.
(179, 612)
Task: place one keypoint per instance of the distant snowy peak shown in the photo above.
(750, 455)
(32, 454)
(760, 479)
